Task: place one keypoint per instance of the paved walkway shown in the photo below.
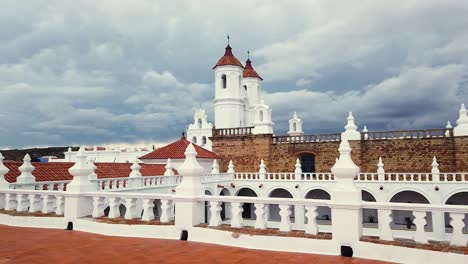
(33, 245)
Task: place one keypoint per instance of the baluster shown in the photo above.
(46, 204)
(311, 214)
(131, 208)
(215, 218)
(260, 213)
(34, 203)
(285, 213)
(148, 205)
(114, 203)
(23, 202)
(50, 187)
(61, 187)
(385, 218)
(106, 185)
(236, 214)
(166, 210)
(59, 201)
(457, 224)
(10, 201)
(420, 221)
(98, 206)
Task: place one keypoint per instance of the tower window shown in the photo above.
(203, 140)
(199, 123)
(224, 81)
(294, 127)
(194, 140)
(261, 116)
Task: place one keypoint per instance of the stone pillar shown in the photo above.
(190, 210)
(346, 199)
(135, 179)
(26, 176)
(77, 205)
(3, 171)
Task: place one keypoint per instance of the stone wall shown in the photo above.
(399, 155)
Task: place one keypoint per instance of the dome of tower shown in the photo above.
(228, 59)
(249, 71)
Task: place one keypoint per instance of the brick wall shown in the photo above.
(401, 155)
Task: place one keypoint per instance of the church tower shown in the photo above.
(201, 130)
(229, 94)
(252, 84)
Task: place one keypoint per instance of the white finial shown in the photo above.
(295, 115)
(3, 171)
(434, 164)
(345, 166)
(449, 125)
(435, 170)
(380, 170)
(169, 167)
(262, 167)
(92, 175)
(231, 167)
(462, 123)
(298, 167)
(26, 171)
(215, 167)
(190, 151)
(351, 132)
(80, 172)
(69, 149)
(365, 129)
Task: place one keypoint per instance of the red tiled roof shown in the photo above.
(176, 150)
(58, 171)
(249, 71)
(228, 59)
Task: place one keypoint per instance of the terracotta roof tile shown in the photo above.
(58, 171)
(176, 150)
(249, 71)
(228, 59)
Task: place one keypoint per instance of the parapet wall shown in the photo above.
(398, 154)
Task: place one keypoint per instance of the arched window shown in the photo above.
(203, 140)
(194, 140)
(199, 123)
(261, 116)
(294, 127)
(224, 81)
(308, 162)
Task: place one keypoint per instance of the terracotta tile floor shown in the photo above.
(33, 245)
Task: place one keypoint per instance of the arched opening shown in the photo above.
(200, 122)
(294, 127)
(207, 208)
(369, 216)
(204, 140)
(225, 207)
(460, 198)
(224, 81)
(405, 218)
(249, 210)
(157, 209)
(194, 140)
(274, 210)
(260, 116)
(323, 212)
(307, 162)
(122, 210)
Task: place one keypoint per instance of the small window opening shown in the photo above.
(224, 81)
(261, 116)
(194, 140)
(204, 140)
(200, 123)
(294, 127)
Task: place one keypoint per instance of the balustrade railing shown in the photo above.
(218, 177)
(459, 177)
(33, 201)
(115, 184)
(283, 176)
(408, 134)
(307, 138)
(235, 131)
(43, 185)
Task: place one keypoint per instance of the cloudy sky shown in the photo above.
(108, 71)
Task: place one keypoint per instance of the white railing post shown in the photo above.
(131, 208)
(10, 201)
(98, 206)
(298, 170)
(166, 211)
(78, 205)
(380, 170)
(435, 170)
(420, 221)
(260, 213)
(60, 205)
(215, 167)
(92, 175)
(457, 224)
(385, 218)
(22, 202)
(285, 213)
(148, 205)
(26, 176)
(231, 167)
(311, 214)
(169, 172)
(346, 199)
(4, 184)
(262, 171)
(236, 214)
(47, 203)
(34, 203)
(215, 218)
(135, 179)
(114, 203)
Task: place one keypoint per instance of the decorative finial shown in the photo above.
(183, 134)
(248, 54)
(228, 39)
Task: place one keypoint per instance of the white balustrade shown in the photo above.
(311, 214)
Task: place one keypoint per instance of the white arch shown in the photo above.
(453, 192)
(209, 189)
(246, 187)
(316, 188)
(409, 189)
(279, 187)
(229, 192)
(371, 193)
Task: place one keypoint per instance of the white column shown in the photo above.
(22, 202)
(215, 218)
(148, 205)
(260, 213)
(262, 171)
(98, 206)
(311, 227)
(26, 176)
(435, 171)
(438, 225)
(47, 203)
(285, 213)
(60, 203)
(457, 224)
(166, 210)
(135, 177)
(35, 203)
(298, 170)
(10, 201)
(380, 170)
(420, 221)
(114, 204)
(131, 208)
(236, 218)
(385, 218)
